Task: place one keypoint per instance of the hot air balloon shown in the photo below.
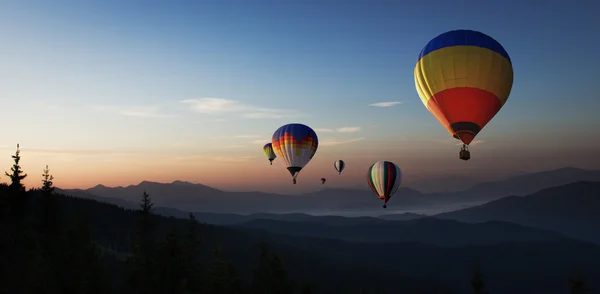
(295, 145)
(464, 77)
(384, 178)
(323, 180)
(339, 166)
(268, 150)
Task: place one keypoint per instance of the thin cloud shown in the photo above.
(386, 104)
(135, 111)
(348, 129)
(335, 142)
(324, 130)
(219, 106)
(247, 136)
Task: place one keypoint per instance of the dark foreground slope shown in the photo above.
(572, 209)
(336, 266)
(112, 227)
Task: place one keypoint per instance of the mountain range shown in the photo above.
(429, 254)
(187, 196)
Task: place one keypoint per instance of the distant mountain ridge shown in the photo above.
(572, 209)
(200, 198)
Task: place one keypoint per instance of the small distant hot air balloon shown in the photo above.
(464, 77)
(295, 145)
(323, 180)
(384, 178)
(268, 150)
(339, 166)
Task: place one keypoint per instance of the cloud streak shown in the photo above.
(220, 106)
(339, 130)
(385, 104)
(336, 142)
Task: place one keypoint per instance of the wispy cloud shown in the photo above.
(385, 104)
(339, 130)
(348, 129)
(136, 111)
(247, 136)
(336, 142)
(218, 106)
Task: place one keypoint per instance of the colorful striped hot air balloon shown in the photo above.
(339, 166)
(295, 145)
(384, 178)
(268, 150)
(464, 77)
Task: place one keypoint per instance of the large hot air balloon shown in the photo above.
(464, 77)
(339, 166)
(384, 178)
(295, 145)
(323, 180)
(268, 150)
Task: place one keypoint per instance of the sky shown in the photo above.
(117, 92)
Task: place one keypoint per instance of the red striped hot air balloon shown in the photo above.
(384, 178)
(464, 77)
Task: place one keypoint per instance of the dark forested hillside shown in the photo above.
(52, 243)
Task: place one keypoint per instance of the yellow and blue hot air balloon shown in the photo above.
(384, 178)
(339, 166)
(268, 150)
(295, 145)
(464, 77)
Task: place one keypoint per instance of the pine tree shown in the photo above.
(578, 284)
(477, 281)
(17, 174)
(142, 262)
(50, 228)
(192, 252)
(279, 281)
(221, 277)
(171, 270)
(270, 277)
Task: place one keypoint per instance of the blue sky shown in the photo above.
(97, 82)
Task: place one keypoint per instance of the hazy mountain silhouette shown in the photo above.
(401, 216)
(572, 209)
(200, 198)
(520, 185)
(424, 230)
(509, 267)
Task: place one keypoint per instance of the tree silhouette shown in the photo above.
(477, 281)
(142, 262)
(192, 252)
(270, 277)
(171, 270)
(221, 276)
(17, 174)
(578, 284)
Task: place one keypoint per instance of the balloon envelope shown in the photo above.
(295, 145)
(463, 77)
(268, 150)
(339, 166)
(384, 178)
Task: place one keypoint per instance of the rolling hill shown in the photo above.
(572, 209)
